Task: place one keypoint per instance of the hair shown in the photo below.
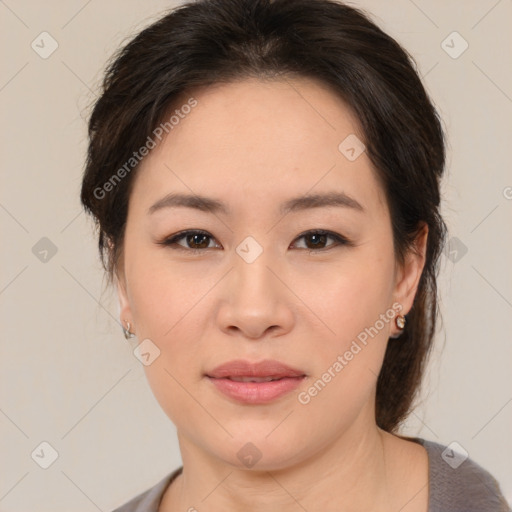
(220, 41)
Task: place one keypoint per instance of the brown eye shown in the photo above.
(195, 241)
(316, 240)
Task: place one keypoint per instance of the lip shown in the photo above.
(265, 368)
(289, 378)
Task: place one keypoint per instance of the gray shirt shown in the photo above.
(454, 486)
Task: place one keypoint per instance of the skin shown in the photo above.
(254, 144)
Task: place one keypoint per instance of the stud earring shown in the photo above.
(400, 323)
(127, 333)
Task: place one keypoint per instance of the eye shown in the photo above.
(319, 237)
(197, 241)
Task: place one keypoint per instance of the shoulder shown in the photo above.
(458, 484)
(149, 500)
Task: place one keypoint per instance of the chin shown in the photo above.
(257, 451)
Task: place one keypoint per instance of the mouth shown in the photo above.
(255, 383)
(255, 379)
(266, 369)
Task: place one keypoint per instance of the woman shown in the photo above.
(265, 178)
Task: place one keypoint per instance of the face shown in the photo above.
(258, 282)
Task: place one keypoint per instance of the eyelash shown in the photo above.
(172, 241)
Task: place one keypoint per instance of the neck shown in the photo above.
(352, 471)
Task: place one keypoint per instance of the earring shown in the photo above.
(400, 323)
(127, 333)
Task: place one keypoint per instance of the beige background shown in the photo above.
(69, 378)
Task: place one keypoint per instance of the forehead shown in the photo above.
(266, 139)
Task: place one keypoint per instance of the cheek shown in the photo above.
(351, 296)
(355, 303)
(162, 295)
(167, 310)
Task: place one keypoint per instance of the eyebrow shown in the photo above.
(211, 205)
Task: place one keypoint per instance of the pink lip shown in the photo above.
(266, 368)
(255, 392)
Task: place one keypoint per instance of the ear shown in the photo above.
(408, 274)
(125, 312)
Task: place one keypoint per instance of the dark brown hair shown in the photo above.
(212, 41)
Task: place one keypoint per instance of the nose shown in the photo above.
(257, 302)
